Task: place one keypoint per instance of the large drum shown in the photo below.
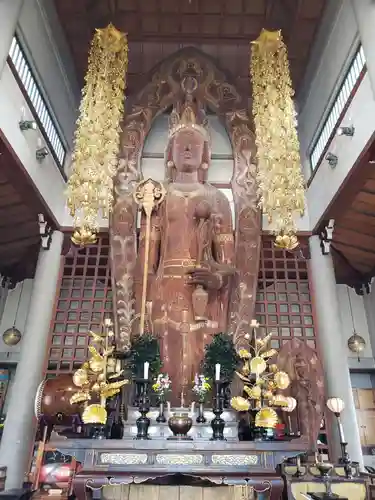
(52, 401)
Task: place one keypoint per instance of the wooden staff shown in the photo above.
(148, 195)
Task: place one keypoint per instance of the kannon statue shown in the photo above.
(191, 256)
(201, 275)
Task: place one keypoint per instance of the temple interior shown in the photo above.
(187, 249)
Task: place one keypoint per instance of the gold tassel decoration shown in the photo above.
(280, 180)
(97, 137)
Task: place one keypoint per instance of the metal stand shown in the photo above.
(345, 460)
(218, 423)
(143, 422)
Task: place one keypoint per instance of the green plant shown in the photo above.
(222, 351)
(145, 348)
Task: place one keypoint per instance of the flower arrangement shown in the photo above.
(201, 386)
(162, 385)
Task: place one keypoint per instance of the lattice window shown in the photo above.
(83, 299)
(283, 302)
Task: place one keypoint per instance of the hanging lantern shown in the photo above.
(356, 343)
(90, 186)
(280, 180)
(12, 336)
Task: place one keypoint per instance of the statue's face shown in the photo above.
(187, 152)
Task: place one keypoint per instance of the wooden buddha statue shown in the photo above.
(191, 257)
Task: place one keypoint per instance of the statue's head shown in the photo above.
(188, 147)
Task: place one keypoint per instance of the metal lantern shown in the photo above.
(12, 336)
(356, 343)
(335, 405)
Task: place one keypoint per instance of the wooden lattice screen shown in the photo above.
(84, 296)
(83, 299)
(283, 302)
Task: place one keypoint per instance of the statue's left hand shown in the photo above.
(208, 279)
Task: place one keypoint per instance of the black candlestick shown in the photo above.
(218, 423)
(345, 460)
(143, 422)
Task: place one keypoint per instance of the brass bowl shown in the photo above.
(180, 424)
(324, 468)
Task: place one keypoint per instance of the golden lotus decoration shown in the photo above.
(99, 378)
(282, 380)
(280, 180)
(257, 365)
(286, 242)
(96, 147)
(267, 418)
(94, 414)
(262, 380)
(84, 237)
(240, 404)
(279, 400)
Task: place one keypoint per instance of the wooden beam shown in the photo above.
(344, 267)
(357, 227)
(358, 253)
(349, 236)
(20, 179)
(24, 243)
(19, 232)
(343, 200)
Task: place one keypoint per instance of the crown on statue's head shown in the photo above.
(188, 114)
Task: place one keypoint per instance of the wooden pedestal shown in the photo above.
(160, 461)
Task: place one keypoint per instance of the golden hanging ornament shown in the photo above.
(280, 180)
(94, 163)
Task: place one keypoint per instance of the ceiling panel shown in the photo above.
(157, 28)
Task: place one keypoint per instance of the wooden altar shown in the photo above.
(253, 465)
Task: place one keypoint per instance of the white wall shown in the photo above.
(21, 295)
(366, 360)
(45, 175)
(331, 53)
(47, 50)
(327, 180)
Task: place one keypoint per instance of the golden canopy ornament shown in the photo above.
(97, 135)
(280, 180)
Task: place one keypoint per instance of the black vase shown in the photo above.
(201, 419)
(161, 417)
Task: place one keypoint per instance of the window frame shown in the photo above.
(28, 82)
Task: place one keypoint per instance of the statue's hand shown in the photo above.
(206, 278)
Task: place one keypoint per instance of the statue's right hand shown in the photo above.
(205, 278)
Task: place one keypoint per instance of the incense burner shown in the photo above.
(180, 424)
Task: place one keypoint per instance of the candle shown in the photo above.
(341, 431)
(192, 408)
(145, 370)
(217, 372)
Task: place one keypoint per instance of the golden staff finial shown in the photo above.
(148, 195)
